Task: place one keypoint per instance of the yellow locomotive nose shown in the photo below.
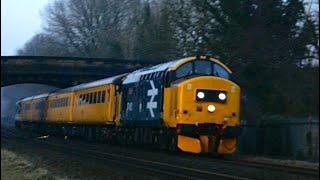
(207, 99)
(207, 107)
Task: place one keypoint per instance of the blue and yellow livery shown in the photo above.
(189, 104)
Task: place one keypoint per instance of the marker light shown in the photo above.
(200, 95)
(222, 96)
(211, 108)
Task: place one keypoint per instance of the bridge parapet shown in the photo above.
(63, 71)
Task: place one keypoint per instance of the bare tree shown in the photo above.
(82, 25)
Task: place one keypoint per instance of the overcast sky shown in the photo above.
(20, 20)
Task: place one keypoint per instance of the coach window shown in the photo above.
(99, 97)
(80, 99)
(103, 96)
(90, 98)
(83, 100)
(87, 99)
(95, 97)
(202, 67)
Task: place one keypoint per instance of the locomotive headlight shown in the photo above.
(211, 108)
(222, 96)
(200, 95)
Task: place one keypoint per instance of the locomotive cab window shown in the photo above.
(199, 67)
(220, 72)
(202, 67)
(184, 70)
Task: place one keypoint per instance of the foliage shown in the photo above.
(266, 43)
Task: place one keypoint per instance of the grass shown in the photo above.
(14, 167)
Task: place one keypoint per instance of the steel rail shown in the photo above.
(154, 166)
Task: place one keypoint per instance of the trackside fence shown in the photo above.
(296, 139)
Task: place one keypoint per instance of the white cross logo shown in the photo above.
(151, 104)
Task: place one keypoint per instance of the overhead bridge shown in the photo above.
(63, 71)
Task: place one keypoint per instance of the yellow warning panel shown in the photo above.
(189, 144)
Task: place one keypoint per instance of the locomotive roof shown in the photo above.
(171, 65)
(131, 77)
(135, 75)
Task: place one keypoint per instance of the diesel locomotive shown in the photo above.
(190, 104)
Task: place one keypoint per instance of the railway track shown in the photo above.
(172, 170)
(273, 166)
